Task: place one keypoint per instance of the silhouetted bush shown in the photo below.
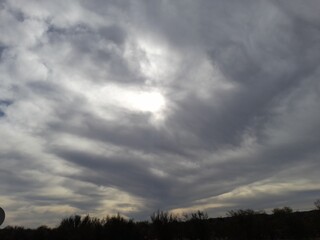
(197, 226)
(164, 225)
(119, 228)
(241, 224)
(317, 204)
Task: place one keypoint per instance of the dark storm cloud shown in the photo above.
(241, 89)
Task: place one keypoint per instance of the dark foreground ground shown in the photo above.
(283, 223)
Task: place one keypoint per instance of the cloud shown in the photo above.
(234, 126)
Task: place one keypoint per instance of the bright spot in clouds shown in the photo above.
(134, 99)
(146, 101)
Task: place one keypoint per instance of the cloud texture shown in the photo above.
(133, 106)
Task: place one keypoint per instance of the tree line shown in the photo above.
(243, 224)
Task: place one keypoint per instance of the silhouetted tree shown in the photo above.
(246, 224)
(288, 224)
(71, 223)
(317, 204)
(164, 225)
(42, 232)
(77, 227)
(282, 211)
(119, 228)
(197, 225)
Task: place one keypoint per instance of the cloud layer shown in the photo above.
(134, 106)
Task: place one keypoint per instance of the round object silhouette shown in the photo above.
(2, 215)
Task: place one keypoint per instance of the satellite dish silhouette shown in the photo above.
(2, 215)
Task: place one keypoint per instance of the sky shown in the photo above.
(133, 106)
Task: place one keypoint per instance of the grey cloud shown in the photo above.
(81, 33)
(3, 105)
(99, 54)
(113, 33)
(127, 174)
(253, 129)
(16, 13)
(263, 72)
(19, 184)
(133, 131)
(305, 12)
(2, 49)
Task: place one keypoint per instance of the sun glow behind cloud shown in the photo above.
(152, 101)
(133, 99)
(156, 65)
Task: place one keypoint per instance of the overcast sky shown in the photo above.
(125, 106)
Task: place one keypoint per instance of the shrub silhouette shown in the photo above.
(246, 224)
(317, 204)
(119, 228)
(197, 225)
(241, 224)
(163, 225)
